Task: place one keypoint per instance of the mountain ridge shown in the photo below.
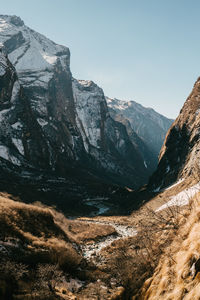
(72, 114)
(150, 126)
(180, 151)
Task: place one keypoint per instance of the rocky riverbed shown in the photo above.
(93, 248)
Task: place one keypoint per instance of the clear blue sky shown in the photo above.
(142, 50)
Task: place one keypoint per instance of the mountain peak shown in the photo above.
(86, 82)
(144, 121)
(31, 52)
(13, 19)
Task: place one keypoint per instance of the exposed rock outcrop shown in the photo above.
(150, 126)
(179, 156)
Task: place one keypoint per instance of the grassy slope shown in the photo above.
(40, 253)
(173, 277)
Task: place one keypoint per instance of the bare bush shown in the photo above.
(13, 270)
(47, 277)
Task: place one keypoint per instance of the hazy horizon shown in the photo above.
(141, 51)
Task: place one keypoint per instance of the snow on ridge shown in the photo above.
(33, 52)
(175, 184)
(15, 91)
(158, 189)
(3, 113)
(2, 71)
(117, 104)
(19, 145)
(85, 83)
(3, 25)
(51, 59)
(3, 64)
(17, 125)
(4, 153)
(88, 107)
(42, 122)
(134, 108)
(181, 198)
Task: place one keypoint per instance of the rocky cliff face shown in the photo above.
(21, 140)
(150, 126)
(149, 158)
(58, 124)
(105, 139)
(27, 153)
(179, 156)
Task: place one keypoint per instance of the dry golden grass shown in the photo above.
(36, 227)
(173, 277)
(47, 238)
(87, 232)
(80, 231)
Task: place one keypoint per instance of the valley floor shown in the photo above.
(100, 257)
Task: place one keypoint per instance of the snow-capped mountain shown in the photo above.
(149, 125)
(31, 52)
(70, 128)
(179, 156)
(25, 159)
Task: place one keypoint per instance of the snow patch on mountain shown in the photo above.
(3, 114)
(137, 109)
(5, 154)
(15, 91)
(17, 125)
(175, 184)
(149, 125)
(3, 65)
(88, 100)
(19, 145)
(181, 198)
(42, 122)
(33, 52)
